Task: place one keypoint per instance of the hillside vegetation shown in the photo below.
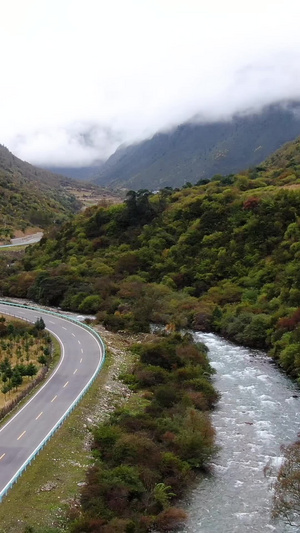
(30, 197)
(198, 150)
(222, 256)
(145, 456)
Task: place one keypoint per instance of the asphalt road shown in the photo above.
(29, 239)
(22, 241)
(82, 355)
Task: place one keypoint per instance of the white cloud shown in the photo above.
(81, 76)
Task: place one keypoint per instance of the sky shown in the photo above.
(81, 77)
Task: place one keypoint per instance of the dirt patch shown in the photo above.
(89, 196)
(28, 231)
(115, 393)
(292, 187)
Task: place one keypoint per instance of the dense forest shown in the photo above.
(221, 256)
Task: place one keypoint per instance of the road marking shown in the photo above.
(75, 371)
(38, 416)
(22, 434)
(64, 327)
(54, 398)
(51, 322)
(81, 350)
(65, 384)
(80, 360)
(73, 334)
(79, 342)
(2, 456)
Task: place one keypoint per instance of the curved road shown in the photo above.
(82, 356)
(28, 239)
(24, 241)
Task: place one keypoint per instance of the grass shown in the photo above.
(9, 248)
(52, 481)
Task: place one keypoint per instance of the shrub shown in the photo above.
(150, 375)
(166, 396)
(171, 519)
(136, 449)
(204, 386)
(105, 437)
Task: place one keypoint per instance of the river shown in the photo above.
(256, 414)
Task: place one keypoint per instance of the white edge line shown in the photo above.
(44, 440)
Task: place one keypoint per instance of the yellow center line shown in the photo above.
(80, 360)
(54, 398)
(2, 456)
(75, 371)
(22, 434)
(65, 384)
(38, 416)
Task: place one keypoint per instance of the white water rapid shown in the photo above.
(258, 411)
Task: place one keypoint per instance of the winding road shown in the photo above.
(24, 241)
(23, 435)
(28, 239)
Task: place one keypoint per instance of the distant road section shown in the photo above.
(29, 239)
(27, 431)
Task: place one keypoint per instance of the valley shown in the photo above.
(150, 251)
(217, 257)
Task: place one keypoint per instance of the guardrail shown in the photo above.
(72, 406)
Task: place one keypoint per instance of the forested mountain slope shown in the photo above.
(30, 196)
(78, 173)
(9, 162)
(194, 151)
(223, 256)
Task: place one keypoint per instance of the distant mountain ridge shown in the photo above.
(193, 151)
(78, 173)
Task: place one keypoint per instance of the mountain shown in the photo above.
(30, 196)
(222, 256)
(78, 173)
(194, 152)
(10, 163)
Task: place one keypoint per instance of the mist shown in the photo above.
(81, 78)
